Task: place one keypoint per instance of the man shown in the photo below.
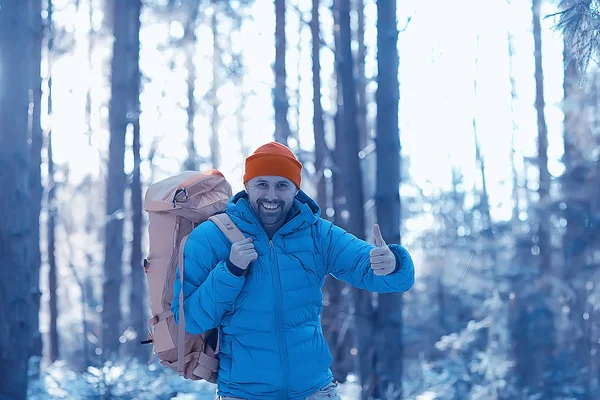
(264, 292)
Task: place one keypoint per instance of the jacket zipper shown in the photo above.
(279, 317)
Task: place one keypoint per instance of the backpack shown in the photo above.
(175, 206)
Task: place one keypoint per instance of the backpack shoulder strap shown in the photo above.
(181, 332)
(228, 227)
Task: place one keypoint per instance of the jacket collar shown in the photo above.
(305, 212)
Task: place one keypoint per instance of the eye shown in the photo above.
(262, 185)
(282, 185)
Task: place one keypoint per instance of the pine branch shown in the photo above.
(579, 22)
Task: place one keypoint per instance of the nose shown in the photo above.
(271, 193)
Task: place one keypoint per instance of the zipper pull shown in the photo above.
(271, 244)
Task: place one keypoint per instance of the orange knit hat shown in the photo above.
(273, 159)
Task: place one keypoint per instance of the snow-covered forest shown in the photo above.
(468, 130)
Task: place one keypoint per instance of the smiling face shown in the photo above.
(271, 198)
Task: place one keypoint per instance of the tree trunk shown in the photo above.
(361, 80)
(240, 120)
(137, 306)
(215, 119)
(387, 199)
(16, 326)
(190, 41)
(318, 125)
(352, 170)
(295, 133)
(90, 52)
(52, 270)
(574, 123)
(593, 321)
(339, 190)
(35, 176)
(575, 184)
(536, 356)
(126, 36)
(542, 158)
(280, 98)
(137, 310)
(513, 99)
(332, 315)
(354, 197)
(484, 203)
(238, 81)
(53, 338)
(337, 314)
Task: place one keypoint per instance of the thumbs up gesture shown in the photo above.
(383, 261)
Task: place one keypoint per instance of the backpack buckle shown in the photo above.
(177, 192)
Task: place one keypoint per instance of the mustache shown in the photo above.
(260, 201)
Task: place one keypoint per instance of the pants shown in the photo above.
(329, 392)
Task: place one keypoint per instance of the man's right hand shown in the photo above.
(243, 253)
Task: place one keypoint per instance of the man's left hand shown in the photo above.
(383, 261)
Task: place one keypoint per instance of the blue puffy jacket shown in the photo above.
(272, 345)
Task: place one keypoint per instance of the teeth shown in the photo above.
(270, 206)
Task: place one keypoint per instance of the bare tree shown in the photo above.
(137, 306)
(51, 205)
(338, 297)
(533, 330)
(35, 176)
(189, 45)
(390, 347)
(50, 250)
(542, 157)
(576, 184)
(353, 186)
(91, 37)
(16, 327)
(280, 98)
(318, 125)
(339, 190)
(516, 198)
(333, 319)
(352, 171)
(238, 79)
(126, 34)
(361, 80)
(217, 65)
(484, 203)
(299, 78)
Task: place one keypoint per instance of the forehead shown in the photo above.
(269, 179)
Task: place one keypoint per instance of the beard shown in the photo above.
(271, 217)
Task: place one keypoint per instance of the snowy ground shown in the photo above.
(348, 391)
(131, 381)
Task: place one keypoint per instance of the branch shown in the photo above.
(307, 23)
(579, 22)
(406, 24)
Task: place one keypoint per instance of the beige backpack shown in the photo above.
(175, 206)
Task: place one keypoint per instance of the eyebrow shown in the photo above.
(265, 181)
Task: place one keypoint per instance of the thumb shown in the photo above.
(379, 242)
